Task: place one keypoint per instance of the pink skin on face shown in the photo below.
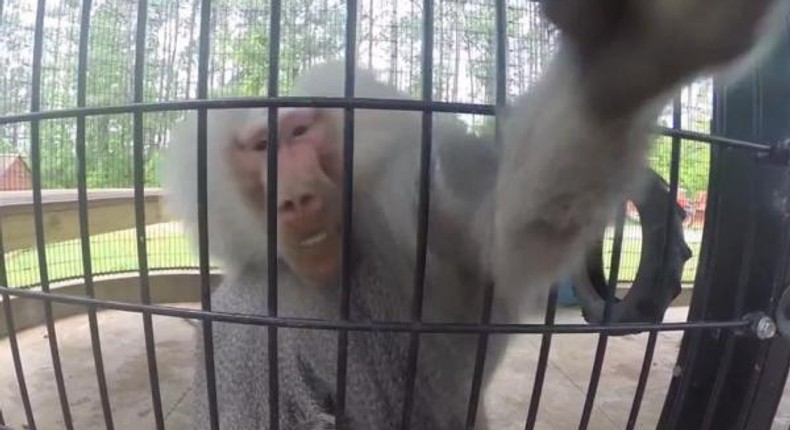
(308, 179)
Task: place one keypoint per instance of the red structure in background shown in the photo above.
(14, 173)
(695, 209)
(695, 217)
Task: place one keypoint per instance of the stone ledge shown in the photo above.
(166, 287)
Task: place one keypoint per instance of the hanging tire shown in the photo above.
(658, 279)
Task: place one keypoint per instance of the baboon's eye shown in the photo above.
(298, 131)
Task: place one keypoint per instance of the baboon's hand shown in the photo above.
(657, 44)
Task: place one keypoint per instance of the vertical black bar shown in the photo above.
(82, 202)
(652, 338)
(273, 87)
(480, 359)
(488, 295)
(2, 418)
(729, 347)
(742, 284)
(202, 183)
(706, 266)
(139, 213)
(38, 215)
(422, 211)
(543, 362)
(348, 187)
(603, 339)
(749, 395)
(767, 389)
(12, 341)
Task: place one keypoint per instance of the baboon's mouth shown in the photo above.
(315, 239)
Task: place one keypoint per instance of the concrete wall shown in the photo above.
(166, 287)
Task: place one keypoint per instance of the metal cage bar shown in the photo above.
(139, 213)
(38, 215)
(202, 185)
(422, 210)
(337, 102)
(543, 362)
(82, 202)
(652, 338)
(379, 326)
(271, 231)
(488, 292)
(746, 260)
(13, 342)
(603, 338)
(348, 204)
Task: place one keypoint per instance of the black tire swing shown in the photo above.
(657, 280)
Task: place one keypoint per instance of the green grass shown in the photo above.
(631, 252)
(168, 248)
(112, 252)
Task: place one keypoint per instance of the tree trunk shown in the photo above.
(457, 42)
(191, 49)
(370, 27)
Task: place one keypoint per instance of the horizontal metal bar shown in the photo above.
(257, 102)
(711, 138)
(374, 326)
(332, 102)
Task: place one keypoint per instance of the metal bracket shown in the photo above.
(777, 154)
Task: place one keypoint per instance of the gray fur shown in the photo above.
(381, 290)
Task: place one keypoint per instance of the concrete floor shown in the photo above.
(127, 376)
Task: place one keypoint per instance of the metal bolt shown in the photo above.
(778, 153)
(762, 326)
(765, 328)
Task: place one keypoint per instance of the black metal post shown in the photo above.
(204, 51)
(348, 204)
(82, 202)
(730, 380)
(271, 216)
(488, 294)
(38, 213)
(139, 214)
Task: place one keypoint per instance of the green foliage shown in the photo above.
(694, 164)
(153, 168)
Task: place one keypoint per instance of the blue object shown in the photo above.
(565, 294)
